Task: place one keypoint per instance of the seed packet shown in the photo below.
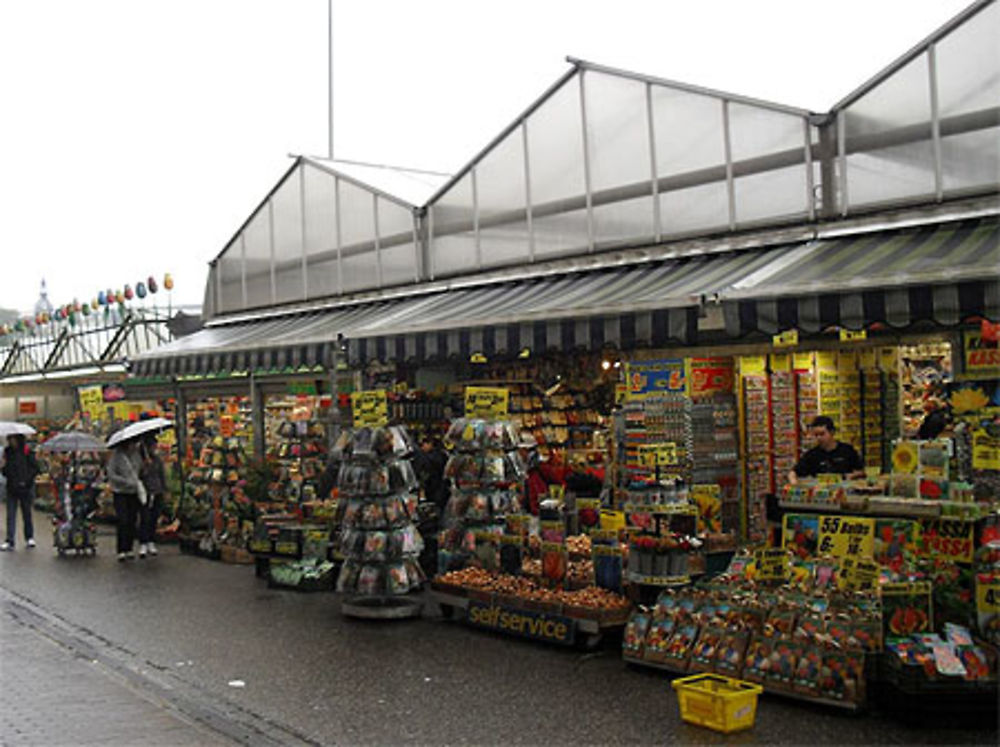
(666, 606)
(348, 579)
(706, 649)
(781, 668)
(479, 507)
(975, 662)
(758, 659)
(361, 442)
(394, 510)
(410, 502)
(947, 662)
(413, 543)
(809, 630)
(660, 632)
(779, 623)
(866, 636)
(842, 676)
(957, 634)
(808, 670)
(370, 580)
(351, 511)
(376, 546)
(372, 515)
(678, 652)
(635, 633)
(398, 579)
(493, 470)
(732, 649)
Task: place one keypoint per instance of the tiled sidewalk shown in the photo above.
(52, 696)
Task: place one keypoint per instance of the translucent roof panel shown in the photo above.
(322, 231)
(608, 158)
(412, 186)
(925, 129)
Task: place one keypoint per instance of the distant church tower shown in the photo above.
(43, 304)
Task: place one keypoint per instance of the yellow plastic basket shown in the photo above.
(720, 703)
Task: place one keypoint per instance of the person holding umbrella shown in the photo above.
(123, 473)
(154, 479)
(20, 469)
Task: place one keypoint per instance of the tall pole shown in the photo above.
(329, 52)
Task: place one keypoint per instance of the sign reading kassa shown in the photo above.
(538, 625)
(982, 359)
(370, 408)
(486, 402)
(948, 538)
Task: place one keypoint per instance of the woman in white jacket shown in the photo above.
(123, 474)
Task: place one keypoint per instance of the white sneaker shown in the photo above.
(31, 542)
(142, 550)
(152, 548)
(122, 556)
(6, 546)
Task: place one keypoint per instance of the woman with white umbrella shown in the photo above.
(123, 474)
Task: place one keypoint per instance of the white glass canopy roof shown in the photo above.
(608, 159)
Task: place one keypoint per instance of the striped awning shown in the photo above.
(289, 342)
(944, 273)
(649, 305)
(624, 307)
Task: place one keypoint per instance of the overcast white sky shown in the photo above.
(137, 135)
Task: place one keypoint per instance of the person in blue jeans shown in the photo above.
(19, 469)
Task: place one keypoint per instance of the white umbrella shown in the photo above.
(139, 428)
(10, 428)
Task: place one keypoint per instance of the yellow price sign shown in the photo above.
(844, 536)
(988, 594)
(860, 574)
(370, 408)
(850, 335)
(787, 339)
(491, 403)
(985, 451)
(772, 564)
(658, 455)
(753, 365)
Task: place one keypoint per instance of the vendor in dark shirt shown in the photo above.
(828, 455)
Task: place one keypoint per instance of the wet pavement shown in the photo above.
(169, 634)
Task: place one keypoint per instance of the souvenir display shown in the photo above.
(377, 539)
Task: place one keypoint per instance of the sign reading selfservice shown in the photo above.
(538, 625)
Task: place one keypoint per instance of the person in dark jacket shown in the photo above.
(20, 469)
(429, 463)
(154, 479)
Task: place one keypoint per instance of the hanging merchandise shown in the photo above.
(128, 293)
(140, 289)
(152, 284)
(486, 472)
(378, 506)
(168, 281)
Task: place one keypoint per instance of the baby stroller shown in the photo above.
(72, 526)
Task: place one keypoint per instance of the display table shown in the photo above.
(559, 624)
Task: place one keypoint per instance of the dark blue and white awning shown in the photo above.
(944, 273)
